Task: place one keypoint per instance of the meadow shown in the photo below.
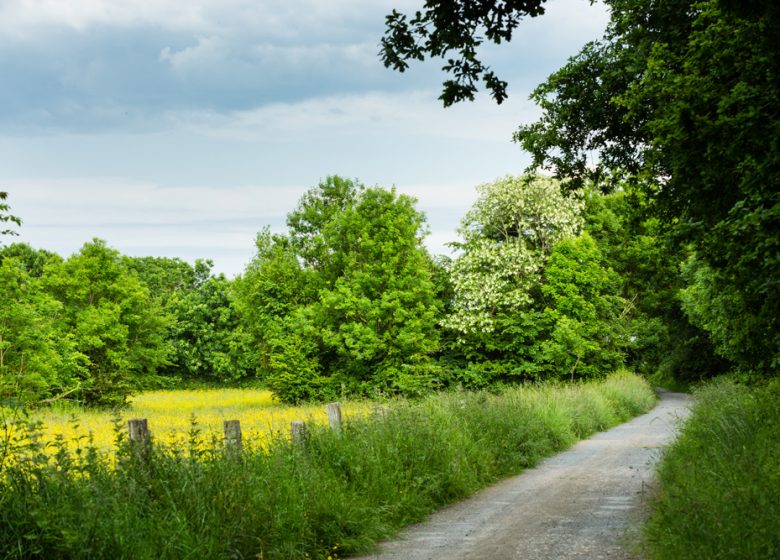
(173, 414)
(335, 495)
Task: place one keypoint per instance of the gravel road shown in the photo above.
(581, 503)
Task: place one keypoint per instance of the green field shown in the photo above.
(338, 494)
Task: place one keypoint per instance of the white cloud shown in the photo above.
(416, 113)
(272, 18)
(103, 148)
(207, 51)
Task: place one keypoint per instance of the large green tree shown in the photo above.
(344, 302)
(115, 322)
(208, 335)
(38, 356)
(533, 296)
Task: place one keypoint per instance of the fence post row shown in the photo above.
(141, 439)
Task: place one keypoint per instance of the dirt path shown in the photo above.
(578, 504)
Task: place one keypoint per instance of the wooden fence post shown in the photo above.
(233, 441)
(334, 416)
(299, 433)
(140, 438)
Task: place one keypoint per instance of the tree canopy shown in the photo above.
(344, 301)
(680, 98)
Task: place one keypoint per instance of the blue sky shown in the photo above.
(181, 129)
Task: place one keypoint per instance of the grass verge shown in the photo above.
(720, 481)
(337, 494)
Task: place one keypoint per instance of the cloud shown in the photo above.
(90, 66)
(208, 51)
(415, 113)
(181, 128)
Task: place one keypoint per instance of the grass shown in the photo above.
(170, 414)
(720, 481)
(337, 495)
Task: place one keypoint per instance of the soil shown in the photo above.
(584, 503)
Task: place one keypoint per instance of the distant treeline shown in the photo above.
(545, 283)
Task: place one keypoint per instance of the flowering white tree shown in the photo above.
(507, 236)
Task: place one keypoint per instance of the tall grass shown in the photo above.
(720, 481)
(338, 494)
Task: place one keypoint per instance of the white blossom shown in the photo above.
(507, 236)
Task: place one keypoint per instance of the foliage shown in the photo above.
(344, 302)
(585, 310)
(208, 338)
(460, 26)
(662, 341)
(338, 495)
(677, 98)
(33, 260)
(726, 505)
(206, 331)
(38, 358)
(114, 321)
(507, 236)
(716, 306)
(531, 297)
(165, 276)
(6, 217)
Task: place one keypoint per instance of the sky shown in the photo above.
(180, 129)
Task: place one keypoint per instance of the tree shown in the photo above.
(584, 310)
(34, 261)
(208, 336)
(636, 245)
(455, 25)
(6, 217)
(38, 357)
(115, 322)
(168, 276)
(344, 302)
(533, 296)
(679, 98)
(507, 237)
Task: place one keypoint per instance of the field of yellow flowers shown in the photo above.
(173, 413)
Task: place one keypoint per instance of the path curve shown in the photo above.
(577, 504)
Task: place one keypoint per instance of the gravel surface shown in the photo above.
(581, 503)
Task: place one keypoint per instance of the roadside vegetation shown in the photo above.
(719, 493)
(337, 494)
